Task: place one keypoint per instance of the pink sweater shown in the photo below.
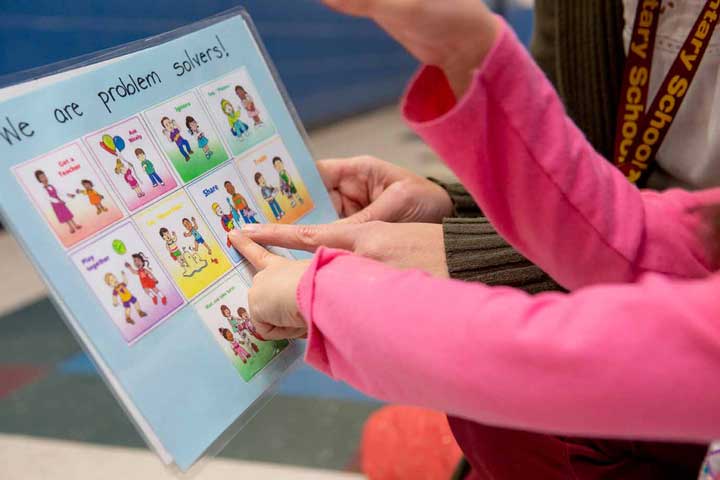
(633, 352)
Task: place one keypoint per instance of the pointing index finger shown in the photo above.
(257, 255)
(303, 237)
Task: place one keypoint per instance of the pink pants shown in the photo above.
(499, 454)
(241, 352)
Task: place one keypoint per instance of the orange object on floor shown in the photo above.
(401, 443)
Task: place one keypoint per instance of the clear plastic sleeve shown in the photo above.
(124, 172)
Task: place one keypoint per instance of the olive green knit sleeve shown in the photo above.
(464, 205)
(476, 252)
(543, 45)
(579, 45)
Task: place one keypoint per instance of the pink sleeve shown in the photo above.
(612, 361)
(544, 187)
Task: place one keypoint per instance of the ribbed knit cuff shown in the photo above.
(477, 253)
(589, 75)
(464, 205)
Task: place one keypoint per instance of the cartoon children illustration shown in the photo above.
(172, 246)
(237, 348)
(149, 168)
(238, 203)
(148, 280)
(120, 292)
(234, 212)
(192, 230)
(202, 140)
(244, 338)
(269, 193)
(287, 186)
(247, 324)
(241, 329)
(172, 132)
(232, 320)
(94, 197)
(62, 212)
(249, 105)
(127, 173)
(227, 221)
(237, 126)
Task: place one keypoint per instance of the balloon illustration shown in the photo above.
(119, 247)
(114, 146)
(119, 143)
(109, 145)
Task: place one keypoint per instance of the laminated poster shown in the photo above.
(123, 174)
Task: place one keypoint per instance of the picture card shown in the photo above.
(224, 311)
(238, 111)
(137, 169)
(187, 136)
(223, 200)
(185, 245)
(72, 198)
(128, 280)
(275, 182)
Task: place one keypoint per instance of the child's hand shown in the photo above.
(272, 298)
(454, 35)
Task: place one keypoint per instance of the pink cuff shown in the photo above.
(429, 99)
(315, 353)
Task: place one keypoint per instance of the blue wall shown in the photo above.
(332, 65)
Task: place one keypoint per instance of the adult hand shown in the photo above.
(366, 188)
(403, 245)
(454, 35)
(272, 298)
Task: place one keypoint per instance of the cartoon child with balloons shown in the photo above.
(129, 176)
(115, 146)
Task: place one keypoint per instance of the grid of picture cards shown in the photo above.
(144, 208)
